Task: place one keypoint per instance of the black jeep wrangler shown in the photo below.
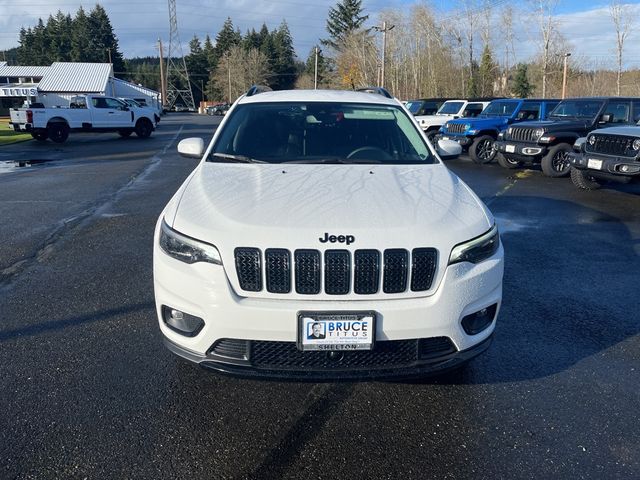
(550, 142)
(610, 154)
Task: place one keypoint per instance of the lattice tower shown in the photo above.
(178, 84)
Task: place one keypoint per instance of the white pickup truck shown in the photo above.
(85, 113)
(450, 110)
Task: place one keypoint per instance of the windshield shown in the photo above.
(450, 108)
(500, 109)
(414, 106)
(319, 132)
(577, 109)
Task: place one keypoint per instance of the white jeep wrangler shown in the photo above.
(450, 110)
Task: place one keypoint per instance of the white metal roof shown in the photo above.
(137, 88)
(319, 96)
(76, 77)
(25, 72)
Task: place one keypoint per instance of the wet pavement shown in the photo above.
(88, 390)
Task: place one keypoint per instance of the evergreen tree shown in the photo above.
(197, 67)
(227, 37)
(209, 52)
(487, 72)
(60, 31)
(251, 40)
(521, 87)
(344, 18)
(80, 38)
(474, 82)
(40, 45)
(104, 41)
(25, 56)
(283, 63)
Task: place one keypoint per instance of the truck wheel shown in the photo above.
(556, 163)
(40, 135)
(144, 128)
(58, 132)
(583, 180)
(507, 162)
(483, 149)
(125, 133)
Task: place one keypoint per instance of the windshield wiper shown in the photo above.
(236, 158)
(335, 160)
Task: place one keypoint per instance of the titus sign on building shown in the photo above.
(18, 92)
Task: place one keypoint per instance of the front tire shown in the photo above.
(556, 163)
(507, 162)
(483, 150)
(58, 132)
(583, 180)
(40, 135)
(143, 128)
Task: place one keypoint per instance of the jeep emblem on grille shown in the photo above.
(348, 239)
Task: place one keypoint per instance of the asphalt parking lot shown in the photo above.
(88, 390)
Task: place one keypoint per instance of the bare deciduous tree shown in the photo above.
(622, 18)
(547, 26)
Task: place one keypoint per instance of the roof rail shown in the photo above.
(256, 89)
(378, 90)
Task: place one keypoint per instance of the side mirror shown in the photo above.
(606, 118)
(448, 149)
(579, 144)
(191, 147)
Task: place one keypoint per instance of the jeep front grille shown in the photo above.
(455, 127)
(336, 272)
(522, 134)
(611, 145)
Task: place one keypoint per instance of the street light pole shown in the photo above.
(564, 75)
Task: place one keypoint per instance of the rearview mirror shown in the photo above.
(191, 147)
(448, 149)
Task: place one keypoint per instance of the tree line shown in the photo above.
(428, 54)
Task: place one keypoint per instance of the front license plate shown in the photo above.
(510, 148)
(336, 330)
(595, 164)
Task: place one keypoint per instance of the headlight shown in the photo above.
(591, 139)
(185, 249)
(636, 144)
(467, 126)
(477, 249)
(539, 132)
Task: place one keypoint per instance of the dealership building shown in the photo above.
(53, 86)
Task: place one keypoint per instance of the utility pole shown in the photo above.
(163, 85)
(384, 31)
(315, 76)
(564, 75)
(229, 75)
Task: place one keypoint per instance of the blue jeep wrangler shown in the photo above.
(479, 134)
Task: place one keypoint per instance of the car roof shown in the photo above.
(604, 98)
(348, 96)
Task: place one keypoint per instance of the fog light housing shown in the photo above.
(480, 320)
(181, 322)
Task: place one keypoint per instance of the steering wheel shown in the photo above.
(369, 152)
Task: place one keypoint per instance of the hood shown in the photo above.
(556, 125)
(293, 206)
(434, 119)
(483, 122)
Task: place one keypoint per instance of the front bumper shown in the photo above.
(464, 141)
(605, 166)
(523, 152)
(202, 290)
(339, 370)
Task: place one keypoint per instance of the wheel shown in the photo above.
(58, 132)
(125, 133)
(40, 135)
(583, 180)
(507, 162)
(483, 149)
(144, 128)
(556, 163)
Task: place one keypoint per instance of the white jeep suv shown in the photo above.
(322, 237)
(450, 110)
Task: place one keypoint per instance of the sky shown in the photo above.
(138, 24)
